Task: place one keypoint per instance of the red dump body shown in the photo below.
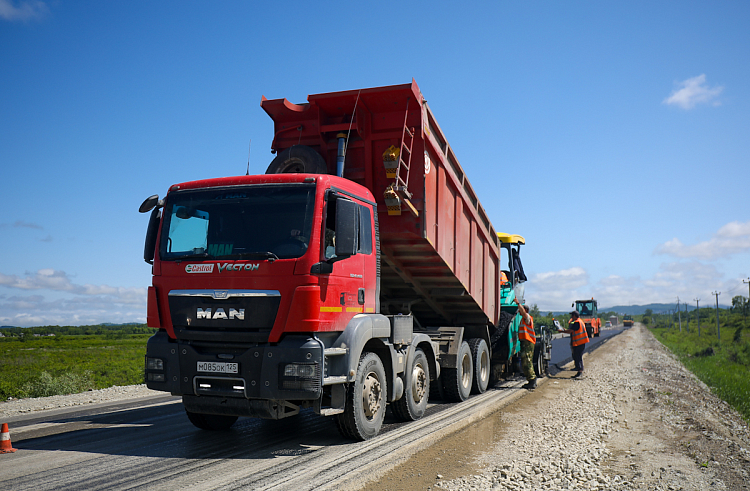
(440, 257)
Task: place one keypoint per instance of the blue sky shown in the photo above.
(613, 136)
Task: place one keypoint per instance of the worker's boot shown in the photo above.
(530, 385)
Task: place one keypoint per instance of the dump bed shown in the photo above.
(440, 255)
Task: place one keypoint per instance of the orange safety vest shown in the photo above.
(579, 336)
(526, 331)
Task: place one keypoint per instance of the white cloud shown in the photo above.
(732, 238)
(567, 278)
(26, 10)
(694, 91)
(22, 224)
(556, 290)
(51, 279)
(77, 305)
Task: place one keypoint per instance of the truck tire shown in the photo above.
(457, 381)
(413, 404)
(500, 348)
(538, 360)
(436, 389)
(299, 159)
(480, 355)
(211, 422)
(499, 339)
(365, 400)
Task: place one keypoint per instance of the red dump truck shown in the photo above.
(361, 270)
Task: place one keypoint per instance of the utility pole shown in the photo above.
(718, 327)
(679, 313)
(698, 314)
(747, 304)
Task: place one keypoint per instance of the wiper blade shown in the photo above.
(201, 255)
(261, 255)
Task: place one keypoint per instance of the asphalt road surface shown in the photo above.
(561, 347)
(150, 444)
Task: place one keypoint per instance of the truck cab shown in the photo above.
(244, 270)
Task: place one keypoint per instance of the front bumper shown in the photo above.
(288, 371)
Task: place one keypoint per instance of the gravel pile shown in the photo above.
(15, 407)
(631, 423)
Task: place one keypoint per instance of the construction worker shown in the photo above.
(528, 340)
(578, 339)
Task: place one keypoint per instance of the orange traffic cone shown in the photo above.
(5, 445)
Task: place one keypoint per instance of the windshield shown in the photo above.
(266, 221)
(585, 308)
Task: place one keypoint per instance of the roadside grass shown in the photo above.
(45, 366)
(723, 366)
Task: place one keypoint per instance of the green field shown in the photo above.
(723, 366)
(94, 357)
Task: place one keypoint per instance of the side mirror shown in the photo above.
(151, 233)
(347, 214)
(149, 203)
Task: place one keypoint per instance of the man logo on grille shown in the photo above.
(220, 314)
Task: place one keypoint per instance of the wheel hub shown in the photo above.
(371, 395)
(466, 371)
(419, 383)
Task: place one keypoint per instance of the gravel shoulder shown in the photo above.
(22, 407)
(638, 420)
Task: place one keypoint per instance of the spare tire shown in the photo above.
(299, 159)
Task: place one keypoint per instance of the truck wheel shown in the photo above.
(211, 422)
(436, 389)
(499, 339)
(299, 159)
(457, 381)
(480, 355)
(365, 400)
(413, 404)
(539, 359)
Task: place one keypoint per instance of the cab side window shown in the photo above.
(365, 231)
(329, 231)
(363, 235)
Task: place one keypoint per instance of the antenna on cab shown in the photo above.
(248, 157)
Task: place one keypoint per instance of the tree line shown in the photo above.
(97, 329)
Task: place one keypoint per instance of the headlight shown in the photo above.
(294, 370)
(300, 377)
(154, 364)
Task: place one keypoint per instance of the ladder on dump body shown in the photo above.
(401, 183)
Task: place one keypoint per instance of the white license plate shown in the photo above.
(216, 367)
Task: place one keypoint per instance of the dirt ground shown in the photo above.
(669, 431)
